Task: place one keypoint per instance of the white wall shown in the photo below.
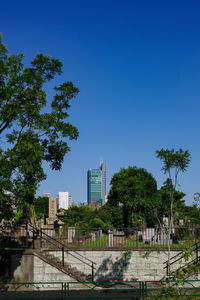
(63, 200)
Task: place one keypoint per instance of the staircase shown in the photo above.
(57, 263)
(61, 264)
(190, 267)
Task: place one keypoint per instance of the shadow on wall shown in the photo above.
(110, 270)
(9, 263)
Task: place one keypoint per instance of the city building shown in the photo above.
(103, 169)
(96, 181)
(48, 195)
(64, 200)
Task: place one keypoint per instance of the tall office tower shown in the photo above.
(95, 186)
(63, 200)
(103, 169)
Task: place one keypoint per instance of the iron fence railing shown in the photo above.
(51, 241)
(81, 238)
(154, 290)
(125, 237)
(33, 290)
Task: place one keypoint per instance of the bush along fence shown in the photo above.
(188, 289)
(24, 236)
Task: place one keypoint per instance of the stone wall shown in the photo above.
(122, 265)
(110, 265)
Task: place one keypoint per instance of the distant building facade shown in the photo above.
(64, 200)
(48, 195)
(103, 169)
(96, 180)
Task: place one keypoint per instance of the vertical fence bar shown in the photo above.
(140, 294)
(167, 269)
(67, 294)
(136, 237)
(63, 257)
(79, 237)
(26, 243)
(142, 290)
(92, 272)
(62, 294)
(40, 237)
(33, 239)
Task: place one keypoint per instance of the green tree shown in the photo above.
(174, 162)
(163, 208)
(82, 217)
(41, 206)
(192, 213)
(135, 190)
(32, 128)
(111, 215)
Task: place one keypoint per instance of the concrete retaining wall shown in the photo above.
(110, 265)
(123, 265)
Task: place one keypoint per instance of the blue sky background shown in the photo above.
(137, 65)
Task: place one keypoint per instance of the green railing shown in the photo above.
(140, 290)
(183, 290)
(33, 290)
(105, 290)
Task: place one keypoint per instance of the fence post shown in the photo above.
(79, 237)
(40, 237)
(67, 294)
(137, 238)
(167, 269)
(92, 272)
(110, 238)
(63, 257)
(143, 290)
(27, 235)
(33, 240)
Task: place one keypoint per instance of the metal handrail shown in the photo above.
(180, 256)
(70, 253)
(195, 248)
(62, 247)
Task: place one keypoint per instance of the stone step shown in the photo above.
(67, 268)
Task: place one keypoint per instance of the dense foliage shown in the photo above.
(135, 190)
(32, 128)
(82, 217)
(41, 207)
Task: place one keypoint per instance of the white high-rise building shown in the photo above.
(63, 200)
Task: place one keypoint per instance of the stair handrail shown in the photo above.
(167, 262)
(189, 263)
(64, 246)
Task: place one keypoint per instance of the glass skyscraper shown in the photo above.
(97, 185)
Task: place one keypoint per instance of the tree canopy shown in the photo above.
(135, 190)
(82, 217)
(33, 128)
(177, 161)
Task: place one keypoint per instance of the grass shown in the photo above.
(120, 241)
(100, 243)
(184, 295)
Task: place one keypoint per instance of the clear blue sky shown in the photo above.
(137, 65)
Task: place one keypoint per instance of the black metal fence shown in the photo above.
(24, 236)
(125, 237)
